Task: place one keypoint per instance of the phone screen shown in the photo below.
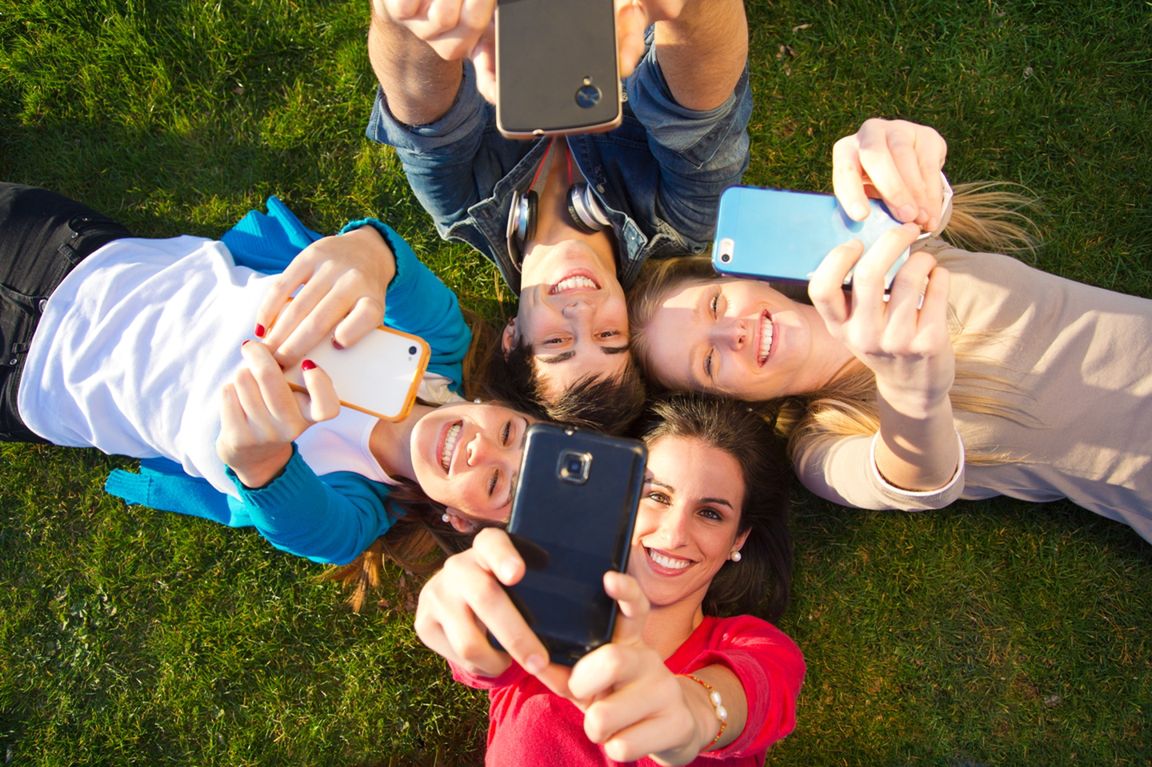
(556, 67)
(572, 519)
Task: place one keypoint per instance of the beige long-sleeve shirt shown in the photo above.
(1078, 363)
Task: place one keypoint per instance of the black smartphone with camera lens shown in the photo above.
(572, 518)
(556, 67)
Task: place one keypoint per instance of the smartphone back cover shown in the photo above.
(784, 235)
(378, 375)
(571, 533)
(546, 52)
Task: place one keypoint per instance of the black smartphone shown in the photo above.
(556, 67)
(572, 518)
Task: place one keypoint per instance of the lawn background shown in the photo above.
(1001, 633)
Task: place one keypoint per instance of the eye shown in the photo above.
(714, 305)
(553, 341)
(711, 513)
(658, 497)
(492, 482)
(506, 433)
(607, 334)
(708, 362)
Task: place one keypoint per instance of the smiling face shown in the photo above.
(571, 313)
(738, 337)
(688, 522)
(467, 457)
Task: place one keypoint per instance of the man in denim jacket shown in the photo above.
(657, 177)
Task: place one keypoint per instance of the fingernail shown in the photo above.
(246, 340)
(260, 330)
(337, 344)
(534, 664)
(307, 365)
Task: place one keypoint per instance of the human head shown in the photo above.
(610, 405)
(696, 331)
(571, 315)
(466, 457)
(765, 567)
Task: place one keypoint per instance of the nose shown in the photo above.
(730, 332)
(673, 527)
(481, 450)
(576, 308)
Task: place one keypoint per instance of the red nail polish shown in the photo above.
(246, 340)
(260, 330)
(337, 345)
(307, 365)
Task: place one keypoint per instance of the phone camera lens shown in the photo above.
(573, 467)
(587, 96)
(412, 351)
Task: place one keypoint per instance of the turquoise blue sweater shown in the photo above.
(332, 518)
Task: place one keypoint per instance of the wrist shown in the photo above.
(259, 471)
(708, 711)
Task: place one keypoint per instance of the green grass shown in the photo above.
(1000, 633)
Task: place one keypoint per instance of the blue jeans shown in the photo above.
(659, 175)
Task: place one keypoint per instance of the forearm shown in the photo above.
(917, 447)
(418, 85)
(702, 52)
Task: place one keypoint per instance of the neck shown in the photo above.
(391, 443)
(835, 358)
(669, 626)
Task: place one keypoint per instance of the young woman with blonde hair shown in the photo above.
(975, 376)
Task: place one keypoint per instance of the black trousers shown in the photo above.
(43, 235)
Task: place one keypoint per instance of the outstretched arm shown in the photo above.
(903, 338)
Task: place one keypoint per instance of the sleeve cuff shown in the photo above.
(945, 494)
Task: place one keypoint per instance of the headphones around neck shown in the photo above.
(584, 213)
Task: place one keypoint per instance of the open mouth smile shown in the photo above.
(666, 561)
(764, 333)
(573, 282)
(448, 444)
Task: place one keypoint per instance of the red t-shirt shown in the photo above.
(528, 725)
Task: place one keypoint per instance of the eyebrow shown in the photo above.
(565, 356)
(708, 499)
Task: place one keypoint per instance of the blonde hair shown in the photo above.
(986, 216)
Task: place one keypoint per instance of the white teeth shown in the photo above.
(765, 338)
(577, 282)
(669, 562)
(449, 445)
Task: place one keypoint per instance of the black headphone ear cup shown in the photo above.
(585, 211)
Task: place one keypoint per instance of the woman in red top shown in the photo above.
(678, 684)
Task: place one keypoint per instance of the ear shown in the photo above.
(508, 337)
(739, 542)
(461, 523)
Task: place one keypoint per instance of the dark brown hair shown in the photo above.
(762, 580)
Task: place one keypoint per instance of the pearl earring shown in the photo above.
(735, 556)
(446, 518)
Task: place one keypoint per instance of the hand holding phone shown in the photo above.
(464, 604)
(557, 68)
(572, 519)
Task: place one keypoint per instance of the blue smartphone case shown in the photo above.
(777, 234)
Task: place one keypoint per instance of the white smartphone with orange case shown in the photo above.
(378, 375)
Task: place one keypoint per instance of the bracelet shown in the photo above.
(717, 708)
